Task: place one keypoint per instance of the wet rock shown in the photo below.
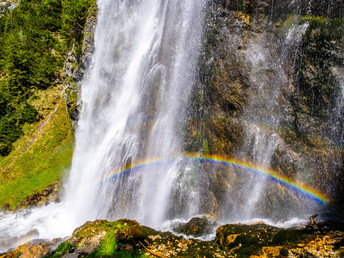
(196, 227)
(332, 217)
(37, 248)
(6, 207)
(49, 194)
(120, 235)
(71, 98)
(126, 247)
(88, 40)
(279, 8)
(71, 67)
(314, 116)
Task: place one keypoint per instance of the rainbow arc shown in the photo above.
(252, 168)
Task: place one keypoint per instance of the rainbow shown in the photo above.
(270, 174)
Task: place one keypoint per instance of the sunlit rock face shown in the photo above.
(270, 92)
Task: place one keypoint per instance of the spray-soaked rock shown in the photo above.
(49, 194)
(195, 227)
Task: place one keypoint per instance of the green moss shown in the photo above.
(61, 250)
(290, 21)
(318, 19)
(205, 146)
(109, 246)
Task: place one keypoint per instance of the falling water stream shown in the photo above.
(133, 108)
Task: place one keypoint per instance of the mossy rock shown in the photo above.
(103, 238)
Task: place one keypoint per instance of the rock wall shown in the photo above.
(278, 8)
(76, 64)
(307, 72)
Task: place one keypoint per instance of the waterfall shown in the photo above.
(131, 159)
(133, 108)
(134, 100)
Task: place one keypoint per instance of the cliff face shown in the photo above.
(270, 92)
(76, 64)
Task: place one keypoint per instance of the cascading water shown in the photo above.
(133, 103)
(133, 107)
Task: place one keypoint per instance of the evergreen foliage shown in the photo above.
(33, 39)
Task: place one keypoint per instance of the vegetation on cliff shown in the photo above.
(36, 137)
(34, 38)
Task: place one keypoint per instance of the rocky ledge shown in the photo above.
(49, 194)
(127, 238)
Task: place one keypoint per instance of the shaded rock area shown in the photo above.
(127, 238)
(260, 240)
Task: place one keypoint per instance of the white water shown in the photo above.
(133, 103)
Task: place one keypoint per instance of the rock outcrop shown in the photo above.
(127, 238)
(49, 194)
(76, 65)
(36, 248)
